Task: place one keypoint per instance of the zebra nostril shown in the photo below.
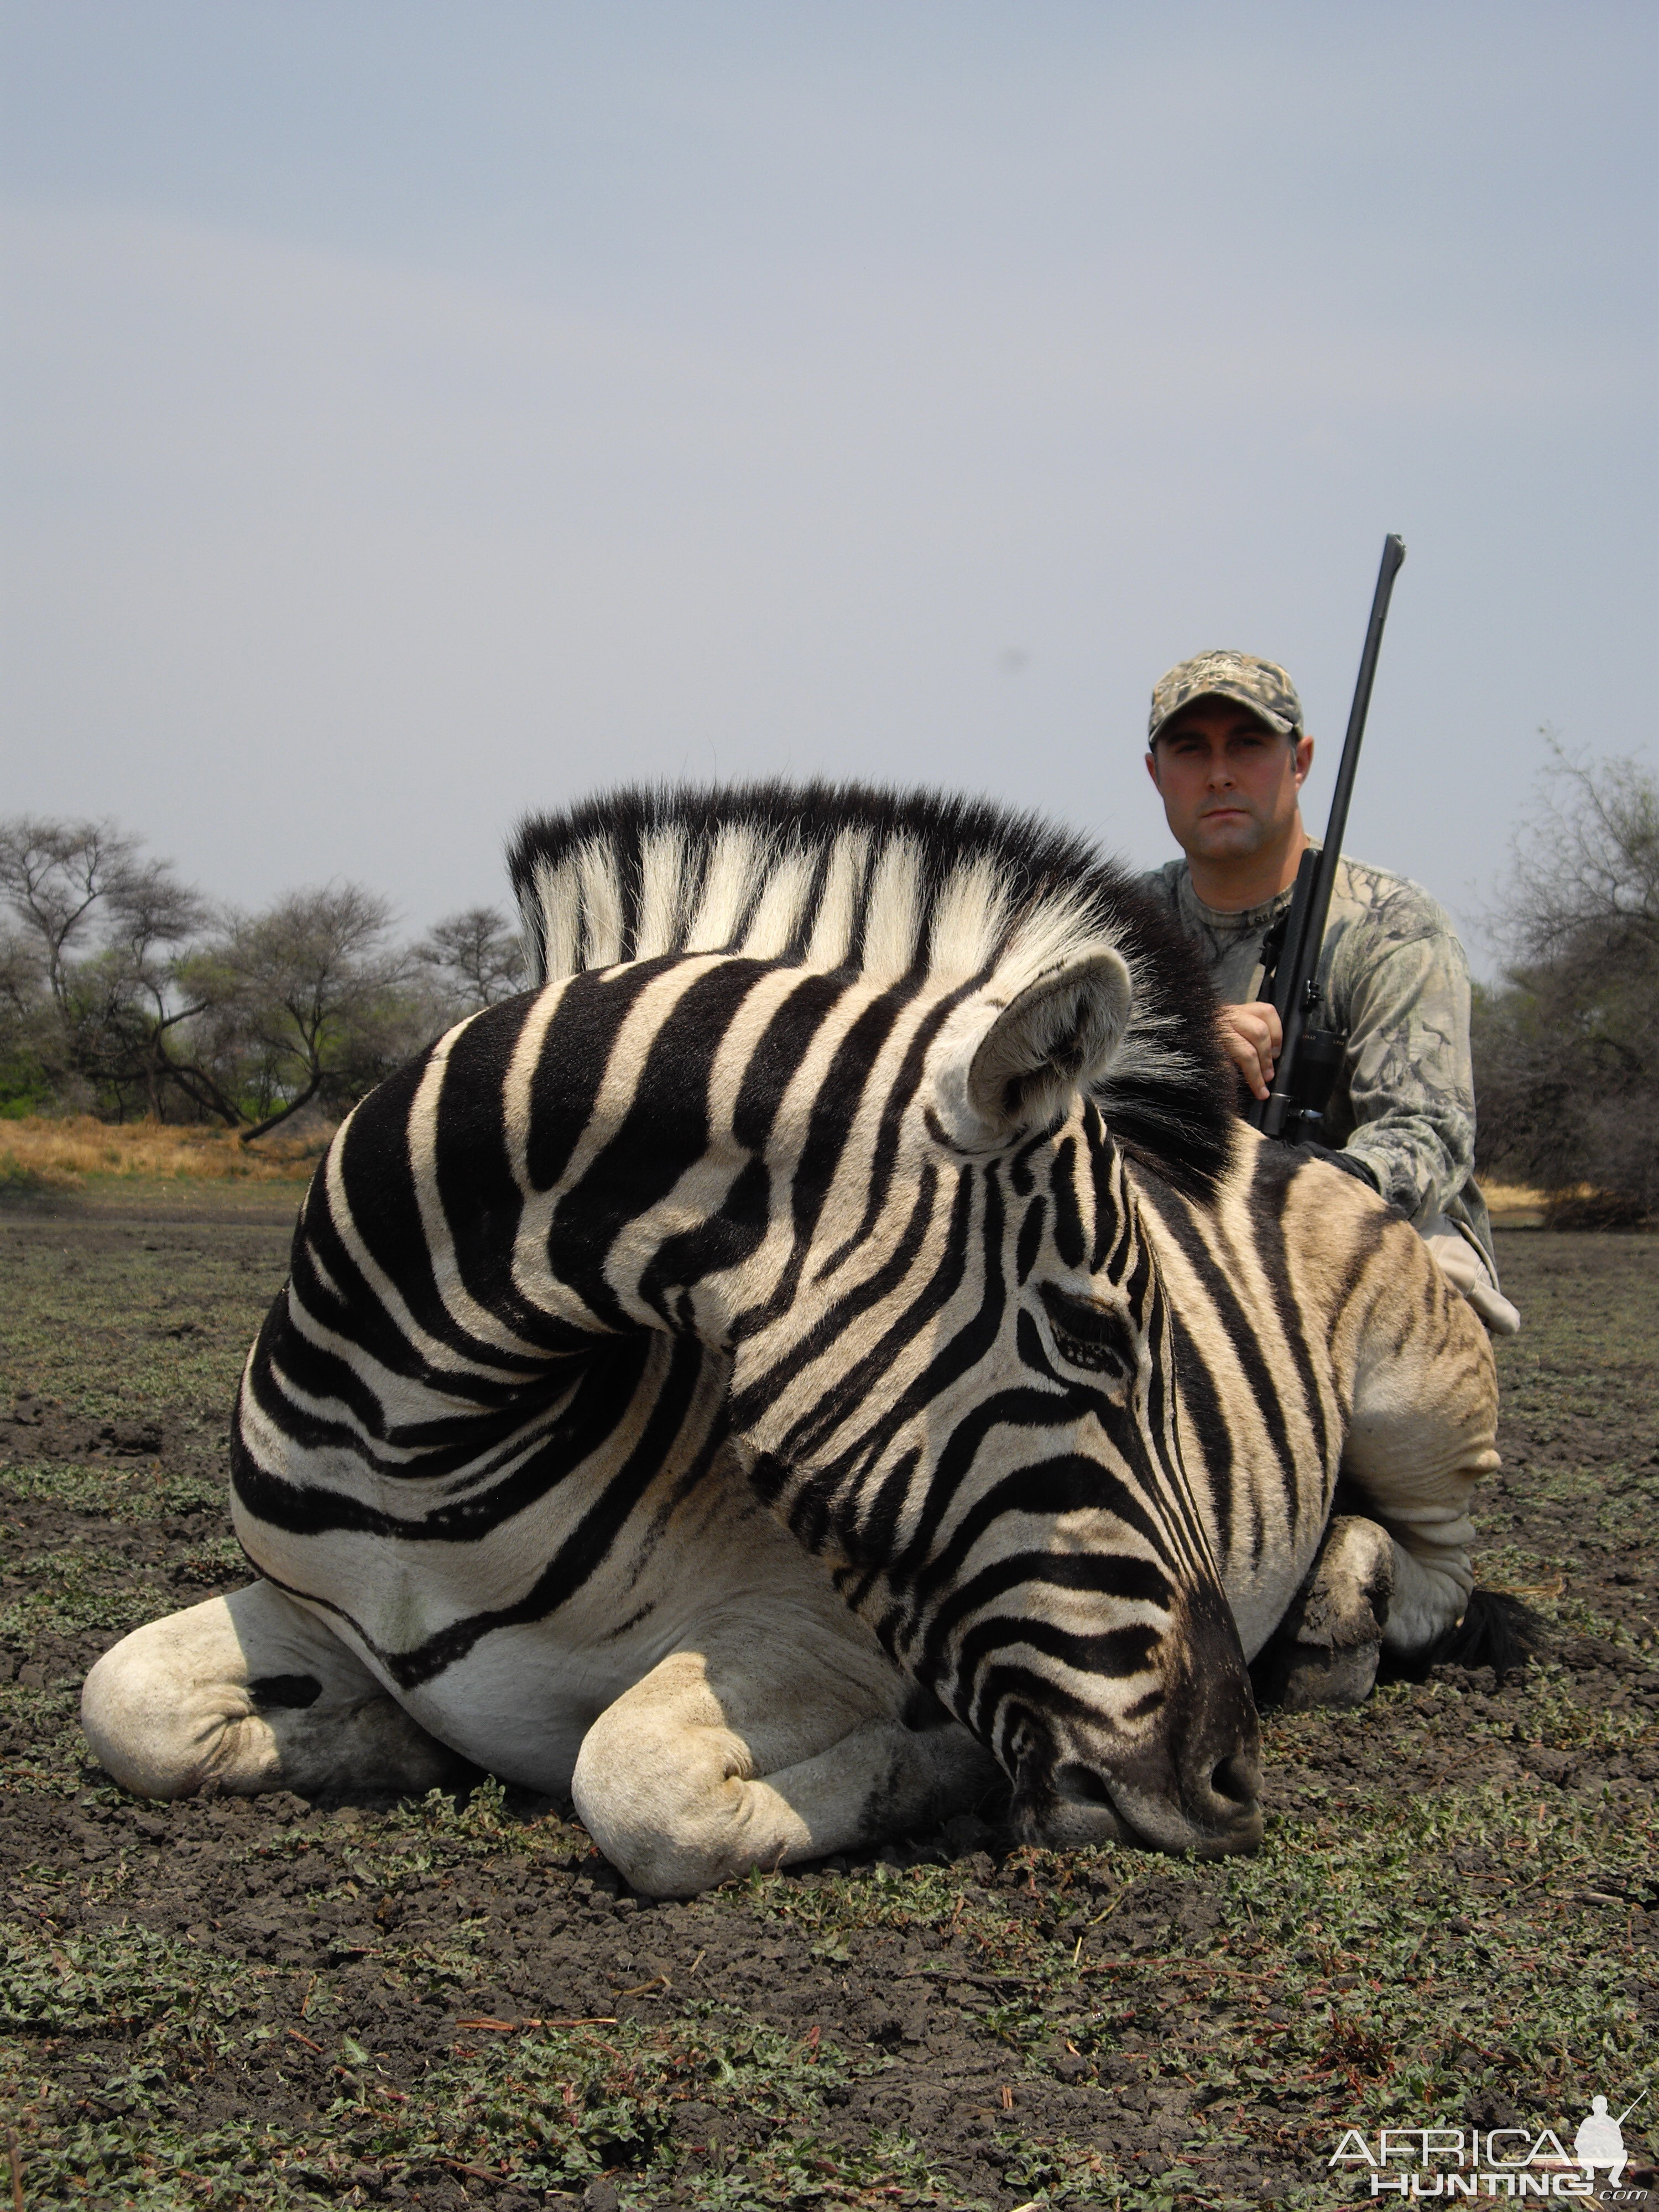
(1235, 1779)
(1081, 1786)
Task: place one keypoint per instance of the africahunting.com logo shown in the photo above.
(1457, 2164)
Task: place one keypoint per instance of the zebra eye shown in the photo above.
(1088, 1336)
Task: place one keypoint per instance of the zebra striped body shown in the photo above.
(842, 1278)
(1323, 1360)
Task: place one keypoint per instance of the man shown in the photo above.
(1229, 755)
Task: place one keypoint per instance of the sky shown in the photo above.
(413, 415)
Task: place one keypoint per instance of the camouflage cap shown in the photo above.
(1260, 685)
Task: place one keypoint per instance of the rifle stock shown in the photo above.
(1310, 1059)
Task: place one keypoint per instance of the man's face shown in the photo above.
(1229, 783)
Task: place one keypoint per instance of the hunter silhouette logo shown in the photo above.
(1600, 2141)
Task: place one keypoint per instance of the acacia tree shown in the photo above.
(122, 990)
(54, 875)
(24, 1078)
(476, 957)
(310, 1002)
(1567, 1047)
(136, 1007)
(109, 1019)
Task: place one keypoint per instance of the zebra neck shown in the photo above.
(713, 1146)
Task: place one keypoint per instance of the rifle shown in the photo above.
(1311, 1057)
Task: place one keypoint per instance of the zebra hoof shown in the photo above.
(1300, 1677)
(1345, 1598)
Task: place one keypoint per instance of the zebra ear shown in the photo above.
(1055, 1039)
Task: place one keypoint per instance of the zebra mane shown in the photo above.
(908, 888)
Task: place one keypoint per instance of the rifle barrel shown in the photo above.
(1291, 993)
(1393, 552)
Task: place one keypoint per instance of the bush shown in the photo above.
(124, 994)
(1567, 1048)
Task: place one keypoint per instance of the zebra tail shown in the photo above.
(1496, 1630)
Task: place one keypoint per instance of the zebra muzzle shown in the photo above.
(1191, 1781)
(1213, 1808)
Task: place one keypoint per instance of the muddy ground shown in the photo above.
(1453, 1922)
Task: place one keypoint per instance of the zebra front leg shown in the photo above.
(251, 1692)
(719, 1762)
(1422, 1435)
(1325, 1650)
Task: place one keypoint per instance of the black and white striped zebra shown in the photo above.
(832, 1331)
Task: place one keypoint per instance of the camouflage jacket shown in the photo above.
(1396, 983)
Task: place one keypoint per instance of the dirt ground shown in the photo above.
(1453, 1922)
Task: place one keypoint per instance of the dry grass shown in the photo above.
(1577, 1207)
(1512, 1198)
(60, 1154)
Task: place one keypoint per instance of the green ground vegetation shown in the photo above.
(1452, 1919)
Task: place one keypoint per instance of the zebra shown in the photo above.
(827, 1351)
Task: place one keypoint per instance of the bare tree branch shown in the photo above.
(53, 874)
(1567, 1047)
(478, 956)
(319, 998)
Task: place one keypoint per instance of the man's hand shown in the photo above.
(1250, 1037)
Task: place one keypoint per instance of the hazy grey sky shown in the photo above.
(419, 413)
